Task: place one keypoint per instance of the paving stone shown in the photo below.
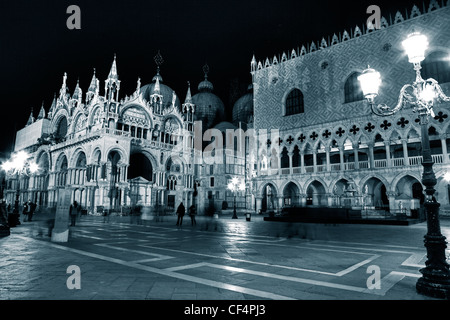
(239, 261)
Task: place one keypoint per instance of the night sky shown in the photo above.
(36, 47)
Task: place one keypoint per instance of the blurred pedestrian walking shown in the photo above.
(180, 212)
(26, 211)
(73, 212)
(192, 213)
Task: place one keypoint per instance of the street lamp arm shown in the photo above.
(440, 95)
(384, 110)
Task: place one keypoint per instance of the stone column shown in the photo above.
(444, 149)
(387, 145)
(302, 199)
(355, 147)
(371, 157)
(405, 152)
(280, 202)
(327, 150)
(302, 161)
(290, 154)
(330, 199)
(391, 197)
(341, 157)
(315, 160)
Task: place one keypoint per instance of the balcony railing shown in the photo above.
(362, 165)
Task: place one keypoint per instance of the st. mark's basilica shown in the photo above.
(116, 151)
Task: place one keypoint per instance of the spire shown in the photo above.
(188, 105)
(52, 107)
(113, 72)
(188, 94)
(157, 88)
(41, 112)
(30, 118)
(94, 84)
(112, 84)
(63, 90)
(77, 92)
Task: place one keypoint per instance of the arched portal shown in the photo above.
(140, 166)
(113, 176)
(140, 178)
(375, 194)
(315, 194)
(269, 200)
(78, 179)
(291, 195)
(410, 196)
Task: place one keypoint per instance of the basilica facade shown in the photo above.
(117, 153)
(324, 146)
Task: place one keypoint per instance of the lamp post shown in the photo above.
(435, 280)
(235, 185)
(17, 165)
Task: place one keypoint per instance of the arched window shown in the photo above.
(294, 103)
(352, 89)
(437, 66)
(284, 158)
(61, 129)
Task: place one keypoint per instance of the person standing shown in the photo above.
(73, 212)
(32, 209)
(192, 213)
(26, 210)
(180, 212)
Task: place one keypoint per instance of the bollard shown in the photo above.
(248, 216)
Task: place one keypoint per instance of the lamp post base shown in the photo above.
(234, 215)
(435, 280)
(434, 284)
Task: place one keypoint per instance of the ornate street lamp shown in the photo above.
(421, 94)
(17, 165)
(235, 185)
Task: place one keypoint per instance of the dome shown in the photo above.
(208, 108)
(243, 108)
(167, 93)
(205, 85)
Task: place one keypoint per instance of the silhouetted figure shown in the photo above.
(73, 212)
(180, 213)
(192, 213)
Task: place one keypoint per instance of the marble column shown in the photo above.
(355, 147)
(444, 149)
(327, 150)
(341, 157)
(387, 145)
(405, 152)
(302, 161)
(371, 156)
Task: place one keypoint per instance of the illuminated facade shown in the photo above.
(116, 153)
(326, 147)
